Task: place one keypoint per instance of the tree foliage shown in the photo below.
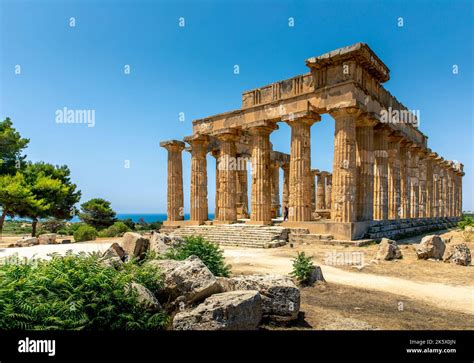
(97, 213)
(11, 148)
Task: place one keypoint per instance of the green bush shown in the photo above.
(302, 268)
(466, 221)
(209, 253)
(115, 230)
(85, 233)
(75, 292)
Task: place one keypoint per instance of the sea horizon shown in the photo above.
(135, 217)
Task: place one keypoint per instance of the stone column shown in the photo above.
(321, 190)
(261, 176)
(300, 166)
(414, 183)
(227, 177)
(429, 187)
(365, 169)
(422, 184)
(435, 198)
(344, 190)
(313, 190)
(275, 188)
(449, 181)
(328, 191)
(404, 180)
(380, 174)
(241, 187)
(215, 153)
(175, 208)
(441, 188)
(286, 184)
(394, 177)
(199, 206)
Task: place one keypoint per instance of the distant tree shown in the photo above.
(97, 213)
(53, 185)
(11, 147)
(129, 223)
(17, 197)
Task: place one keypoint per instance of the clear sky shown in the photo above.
(190, 69)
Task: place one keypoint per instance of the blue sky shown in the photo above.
(190, 69)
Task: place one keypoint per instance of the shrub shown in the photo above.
(302, 268)
(466, 221)
(85, 233)
(75, 292)
(209, 253)
(115, 230)
(52, 225)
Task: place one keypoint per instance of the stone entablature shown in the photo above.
(382, 166)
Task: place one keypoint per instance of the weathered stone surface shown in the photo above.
(26, 242)
(162, 243)
(280, 296)
(235, 310)
(388, 250)
(431, 246)
(135, 245)
(47, 238)
(189, 278)
(316, 275)
(145, 297)
(458, 254)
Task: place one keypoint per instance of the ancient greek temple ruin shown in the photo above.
(384, 175)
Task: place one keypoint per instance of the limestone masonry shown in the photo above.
(383, 169)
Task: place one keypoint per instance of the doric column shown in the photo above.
(241, 187)
(328, 190)
(275, 187)
(404, 180)
(261, 175)
(344, 181)
(422, 184)
(441, 188)
(199, 206)
(450, 189)
(365, 169)
(460, 174)
(286, 184)
(380, 174)
(429, 186)
(215, 153)
(175, 208)
(414, 183)
(394, 177)
(227, 177)
(313, 189)
(300, 166)
(321, 190)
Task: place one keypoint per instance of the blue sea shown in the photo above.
(147, 217)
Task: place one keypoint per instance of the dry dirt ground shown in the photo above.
(403, 294)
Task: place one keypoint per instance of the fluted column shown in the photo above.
(365, 170)
(300, 167)
(321, 190)
(344, 181)
(441, 188)
(286, 184)
(175, 204)
(404, 180)
(328, 191)
(241, 187)
(450, 190)
(199, 206)
(227, 178)
(429, 187)
(394, 177)
(215, 153)
(275, 188)
(422, 184)
(313, 190)
(261, 175)
(414, 183)
(380, 174)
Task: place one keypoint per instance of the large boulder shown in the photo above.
(280, 295)
(388, 250)
(135, 245)
(235, 310)
(145, 297)
(47, 239)
(458, 254)
(161, 243)
(189, 279)
(431, 246)
(26, 242)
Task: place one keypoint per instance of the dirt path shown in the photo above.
(457, 298)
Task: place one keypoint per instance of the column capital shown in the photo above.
(346, 111)
(260, 127)
(173, 145)
(197, 141)
(229, 134)
(304, 117)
